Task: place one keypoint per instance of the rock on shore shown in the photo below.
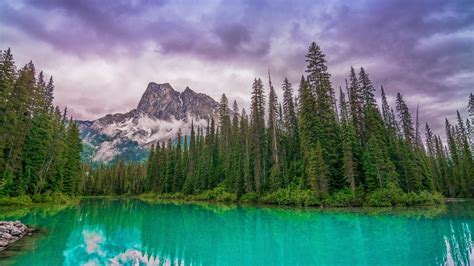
(11, 232)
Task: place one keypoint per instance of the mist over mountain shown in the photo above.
(159, 115)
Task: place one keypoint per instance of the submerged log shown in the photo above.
(11, 232)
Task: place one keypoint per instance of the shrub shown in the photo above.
(381, 198)
(342, 198)
(250, 197)
(53, 197)
(14, 201)
(291, 196)
(394, 196)
(217, 194)
(423, 198)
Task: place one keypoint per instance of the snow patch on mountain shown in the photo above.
(160, 114)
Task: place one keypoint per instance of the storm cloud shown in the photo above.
(103, 53)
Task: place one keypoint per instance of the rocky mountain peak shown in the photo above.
(199, 104)
(160, 114)
(160, 101)
(188, 90)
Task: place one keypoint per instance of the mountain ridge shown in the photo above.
(160, 114)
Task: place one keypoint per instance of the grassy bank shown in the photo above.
(387, 197)
(291, 196)
(26, 200)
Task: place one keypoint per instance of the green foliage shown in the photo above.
(393, 196)
(15, 201)
(291, 196)
(54, 197)
(40, 149)
(250, 197)
(218, 194)
(344, 198)
(48, 197)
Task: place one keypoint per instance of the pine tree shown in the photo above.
(73, 158)
(257, 125)
(367, 90)
(466, 159)
(274, 136)
(405, 120)
(7, 115)
(378, 170)
(36, 153)
(290, 121)
(190, 176)
(225, 130)
(431, 152)
(19, 114)
(309, 127)
(348, 142)
(356, 103)
(237, 153)
(385, 109)
(177, 171)
(329, 131)
(317, 171)
(151, 166)
(456, 182)
(49, 93)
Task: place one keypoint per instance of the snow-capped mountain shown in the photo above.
(161, 112)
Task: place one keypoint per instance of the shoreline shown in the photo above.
(11, 232)
(258, 204)
(195, 199)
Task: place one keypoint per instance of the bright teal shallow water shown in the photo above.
(108, 232)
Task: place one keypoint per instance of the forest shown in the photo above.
(311, 148)
(40, 145)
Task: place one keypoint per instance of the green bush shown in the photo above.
(342, 198)
(217, 194)
(394, 196)
(423, 198)
(378, 198)
(53, 197)
(15, 201)
(291, 196)
(250, 197)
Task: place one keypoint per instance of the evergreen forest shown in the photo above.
(315, 146)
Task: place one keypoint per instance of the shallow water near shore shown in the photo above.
(123, 232)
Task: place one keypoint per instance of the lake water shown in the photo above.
(116, 232)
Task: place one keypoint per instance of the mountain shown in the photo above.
(161, 112)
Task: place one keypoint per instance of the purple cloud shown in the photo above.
(423, 49)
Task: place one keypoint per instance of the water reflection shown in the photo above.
(92, 247)
(131, 232)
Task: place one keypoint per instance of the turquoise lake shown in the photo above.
(133, 232)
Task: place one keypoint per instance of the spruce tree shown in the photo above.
(237, 153)
(274, 137)
(257, 124)
(249, 185)
(405, 119)
(7, 115)
(356, 102)
(290, 121)
(73, 158)
(348, 143)
(318, 171)
(329, 131)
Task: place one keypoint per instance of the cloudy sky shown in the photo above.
(102, 54)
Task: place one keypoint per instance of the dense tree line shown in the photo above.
(39, 145)
(310, 141)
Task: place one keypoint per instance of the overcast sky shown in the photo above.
(102, 54)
